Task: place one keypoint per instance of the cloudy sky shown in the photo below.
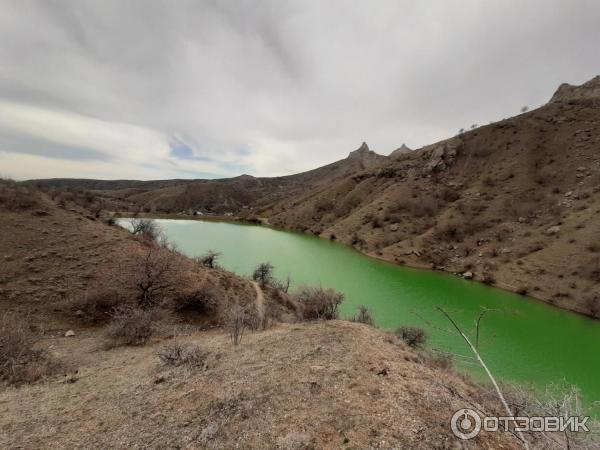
(162, 89)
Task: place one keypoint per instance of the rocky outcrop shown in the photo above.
(588, 93)
(403, 150)
(438, 157)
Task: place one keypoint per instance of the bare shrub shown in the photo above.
(319, 303)
(281, 285)
(557, 400)
(178, 354)
(451, 231)
(209, 259)
(363, 316)
(263, 273)
(155, 272)
(413, 336)
(145, 228)
(236, 323)
(130, 326)
(95, 306)
(20, 362)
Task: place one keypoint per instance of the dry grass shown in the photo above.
(182, 354)
(130, 326)
(20, 361)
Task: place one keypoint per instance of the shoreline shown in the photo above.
(260, 221)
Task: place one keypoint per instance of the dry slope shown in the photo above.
(516, 203)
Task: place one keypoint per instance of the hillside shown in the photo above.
(299, 385)
(235, 195)
(515, 203)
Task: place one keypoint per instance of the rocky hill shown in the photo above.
(515, 203)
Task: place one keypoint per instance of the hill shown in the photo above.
(66, 284)
(234, 195)
(515, 203)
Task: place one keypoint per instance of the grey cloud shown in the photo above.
(296, 83)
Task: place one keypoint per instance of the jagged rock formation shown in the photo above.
(587, 93)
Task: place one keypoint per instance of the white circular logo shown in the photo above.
(466, 424)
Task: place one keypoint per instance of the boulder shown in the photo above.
(553, 230)
(69, 333)
(468, 275)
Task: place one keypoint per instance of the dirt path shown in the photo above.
(260, 301)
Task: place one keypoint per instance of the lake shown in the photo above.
(521, 339)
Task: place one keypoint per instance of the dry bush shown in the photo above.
(155, 274)
(15, 197)
(281, 285)
(20, 362)
(178, 354)
(130, 326)
(209, 259)
(413, 336)
(263, 273)
(558, 400)
(145, 228)
(236, 321)
(363, 316)
(452, 231)
(319, 303)
(96, 306)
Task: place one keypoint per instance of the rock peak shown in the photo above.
(364, 148)
(586, 93)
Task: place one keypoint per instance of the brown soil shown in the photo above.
(312, 385)
(516, 203)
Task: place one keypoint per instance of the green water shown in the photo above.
(524, 341)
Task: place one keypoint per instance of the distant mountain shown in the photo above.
(236, 195)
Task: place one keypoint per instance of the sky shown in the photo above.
(149, 89)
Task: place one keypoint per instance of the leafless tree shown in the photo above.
(209, 259)
(145, 228)
(263, 273)
(155, 273)
(475, 351)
